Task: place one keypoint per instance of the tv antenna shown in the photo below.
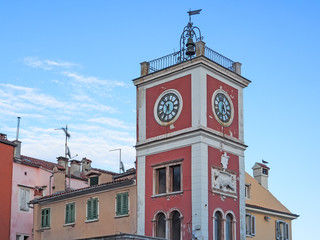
(121, 167)
(66, 150)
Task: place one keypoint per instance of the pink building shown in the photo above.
(21, 175)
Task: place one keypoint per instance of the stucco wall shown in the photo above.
(107, 224)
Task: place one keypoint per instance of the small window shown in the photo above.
(70, 213)
(282, 230)
(122, 204)
(247, 191)
(45, 218)
(218, 226)
(94, 180)
(175, 226)
(265, 171)
(250, 225)
(161, 180)
(92, 209)
(168, 179)
(229, 230)
(22, 237)
(24, 199)
(161, 225)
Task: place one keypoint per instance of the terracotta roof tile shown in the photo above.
(40, 163)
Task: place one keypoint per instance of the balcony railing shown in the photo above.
(176, 57)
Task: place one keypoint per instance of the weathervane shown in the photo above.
(189, 34)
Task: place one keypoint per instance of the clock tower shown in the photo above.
(190, 145)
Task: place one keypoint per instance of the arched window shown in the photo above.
(161, 225)
(218, 226)
(229, 221)
(175, 226)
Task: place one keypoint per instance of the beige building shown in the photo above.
(99, 210)
(266, 217)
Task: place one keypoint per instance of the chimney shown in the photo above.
(62, 161)
(261, 174)
(75, 168)
(86, 165)
(59, 181)
(3, 136)
(17, 149)
(38, 192)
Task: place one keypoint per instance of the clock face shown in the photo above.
(222, 107)
(168, 107)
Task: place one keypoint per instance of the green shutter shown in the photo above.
(72, 212)
(122, 204)
(45, 217)
(95, 208)
(125, 203)
(67, 214)
(89, 211)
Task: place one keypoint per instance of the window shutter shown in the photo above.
(42, 218)
(95, 208)
(118, 202)
(286, 234)
(253, 225)
(277, 230)
(72, 212)
(89, 210)
(125, 203)
(67, 214)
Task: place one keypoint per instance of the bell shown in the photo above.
(190, 47)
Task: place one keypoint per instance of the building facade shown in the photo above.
(190, 149)
(266, 217)
(99, 210)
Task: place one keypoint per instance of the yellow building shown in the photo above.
(266, 217)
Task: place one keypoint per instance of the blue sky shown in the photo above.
(72, 62)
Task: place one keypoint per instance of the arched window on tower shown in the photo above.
(218, 226)
(175, 226)
(161, 225)
(229, 227)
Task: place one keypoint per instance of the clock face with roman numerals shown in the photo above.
(168, 107)
(222, 107)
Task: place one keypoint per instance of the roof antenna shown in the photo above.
(66, 149)
(18, 128)
(121, 167)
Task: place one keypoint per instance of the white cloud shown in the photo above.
(46, 64)
(112, 122)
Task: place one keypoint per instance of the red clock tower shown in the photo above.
(190, 145)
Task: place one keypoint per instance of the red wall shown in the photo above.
(183, 86)
(213, 85)
(229, 203)
(6, 161)
(169, 202)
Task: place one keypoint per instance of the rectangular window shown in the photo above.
(168, 178)
(122, 204)
(92, 209)
(94, 181)
(247, 191)
(282, 230)
(22, 237)
(24, 199)
(70, 213)
(250, 225)
(45, 218)
(161, 180)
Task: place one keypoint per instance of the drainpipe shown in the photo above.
(50, 183)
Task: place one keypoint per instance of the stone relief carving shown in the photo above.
(222, 180)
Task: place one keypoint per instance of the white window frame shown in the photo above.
(21, 236)
(248, 191)
(28, 193)
(252, 219)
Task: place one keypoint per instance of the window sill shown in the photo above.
(121, 216)
(167, 194)
(92, 220)
(69, 224)
(44, 228)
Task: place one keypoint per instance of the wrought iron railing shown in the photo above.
(177, 57)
